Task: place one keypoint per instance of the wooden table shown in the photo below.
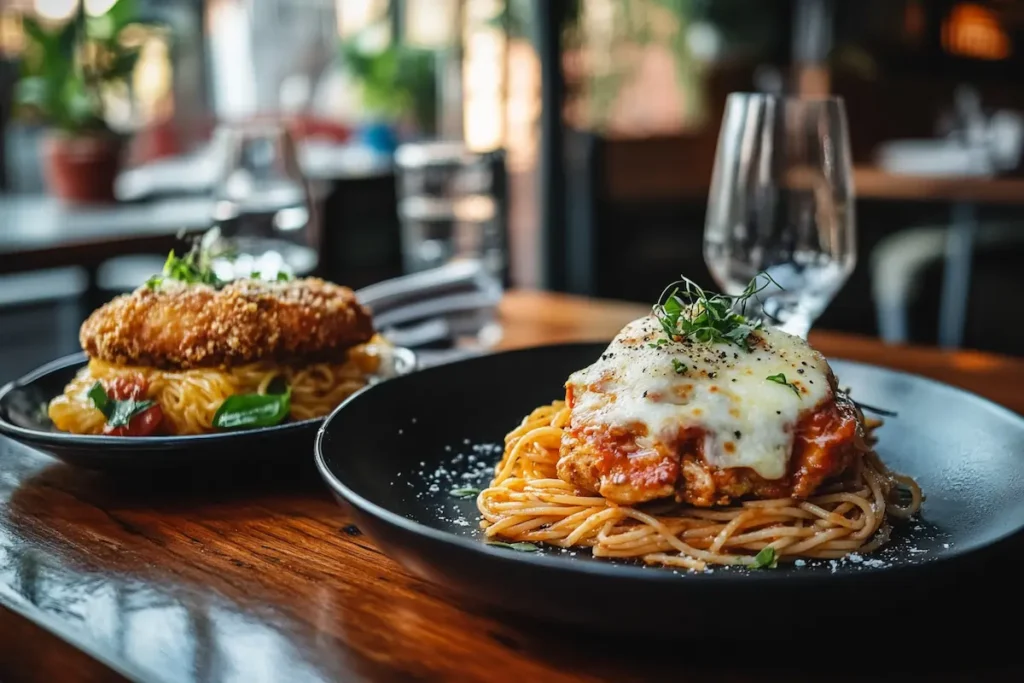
(263, 578)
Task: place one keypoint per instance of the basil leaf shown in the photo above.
(252, 410)
(98, 395)
(521, 546)
(766, 559)
(123, 411)
(467, 492)
(118, 413)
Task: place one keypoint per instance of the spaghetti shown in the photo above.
(189, 399)
(527, 502)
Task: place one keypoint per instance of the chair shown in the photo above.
(903, 280)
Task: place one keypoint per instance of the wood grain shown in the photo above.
(262, 577)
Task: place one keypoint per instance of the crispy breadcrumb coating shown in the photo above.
(182, 326)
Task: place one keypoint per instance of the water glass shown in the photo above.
(782, 202)
(447, 207)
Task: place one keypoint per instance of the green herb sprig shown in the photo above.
(192, 268)
(686, 310)
(781, 379)
(766, 558)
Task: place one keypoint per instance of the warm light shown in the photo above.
(230, 45)
(55, 10)
(61, 10)
(355, 15)
(522, 135)
(152, 81)
(12, 38)
(913, 19)
(430, 23)
(973, 31)
(483, 77)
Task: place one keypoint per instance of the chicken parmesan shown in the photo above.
(705, 423)
(699, 436)
(188, 353)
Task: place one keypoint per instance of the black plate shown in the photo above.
(393, 452)
(23, 417)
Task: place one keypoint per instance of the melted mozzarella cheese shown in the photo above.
(724, 390)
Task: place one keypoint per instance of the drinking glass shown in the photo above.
(782, 202)
(264, 215)
(447, 207)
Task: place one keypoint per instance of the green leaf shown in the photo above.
(781, 379)
(98, 395)
(252, 410)
(466, 492)
(766, 558)
(678, 366)
(124, 411)
(121, 13)
(193, 268)
(118, 413)
(33, 91)
(521, 546)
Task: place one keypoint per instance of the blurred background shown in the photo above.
(565, 145)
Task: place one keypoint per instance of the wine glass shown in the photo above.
(782, 202)
(265, 223)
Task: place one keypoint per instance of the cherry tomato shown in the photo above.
(143, 424)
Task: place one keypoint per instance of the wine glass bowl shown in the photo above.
(782, 203)
(264, 215)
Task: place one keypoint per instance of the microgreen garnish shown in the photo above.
(465, 492)
(521, 546)
(192, 268)
(118, 413)
(658, 344)
(781, 379)
(684, 309)
(678, 366)
(766, 559)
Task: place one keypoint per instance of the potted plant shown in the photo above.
(68, 71)
(397, 84)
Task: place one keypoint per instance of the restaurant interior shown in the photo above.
(511, 173)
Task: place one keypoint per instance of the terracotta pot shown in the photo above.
(82, 169)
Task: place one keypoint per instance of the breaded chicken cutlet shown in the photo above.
(180, 326)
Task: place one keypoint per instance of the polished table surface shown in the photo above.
(262, 577)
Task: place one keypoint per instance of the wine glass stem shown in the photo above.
(798, 325)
